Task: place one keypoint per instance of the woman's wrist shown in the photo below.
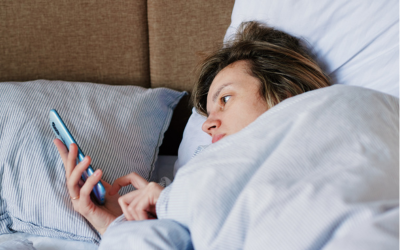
(103, 228)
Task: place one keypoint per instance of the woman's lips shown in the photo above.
(217, 138)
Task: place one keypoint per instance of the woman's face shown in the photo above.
(233, 101)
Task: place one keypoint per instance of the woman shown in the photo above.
(255, 71)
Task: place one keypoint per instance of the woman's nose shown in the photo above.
(210, 125)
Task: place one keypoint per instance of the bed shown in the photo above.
(120, 74)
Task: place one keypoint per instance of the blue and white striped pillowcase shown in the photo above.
(120, 127)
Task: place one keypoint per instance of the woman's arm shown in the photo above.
(99, 216)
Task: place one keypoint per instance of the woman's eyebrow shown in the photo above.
(219, 90)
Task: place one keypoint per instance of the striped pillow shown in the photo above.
(120, 127)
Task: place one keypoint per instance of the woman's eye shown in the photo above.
(225, 98)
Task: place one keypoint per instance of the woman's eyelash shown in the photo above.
(225, 99)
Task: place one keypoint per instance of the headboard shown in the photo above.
(154, 43)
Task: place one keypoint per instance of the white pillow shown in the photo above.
(357, 43)
(193, 137)
(120, 127)
(357, 40)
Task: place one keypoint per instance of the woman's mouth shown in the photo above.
(217, 138)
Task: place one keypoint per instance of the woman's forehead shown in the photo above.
(229, 73)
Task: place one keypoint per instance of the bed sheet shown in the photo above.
(47, 243)
(317, 171)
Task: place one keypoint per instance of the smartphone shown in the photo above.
(62, 133)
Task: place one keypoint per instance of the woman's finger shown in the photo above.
(132, 211)
(88, 187)
(76, 175)
(138, 205)
(141, 210)
(62, 150)
(133, 178)
(124, 208)
(71, 159)
(129, 197)
(124, 202)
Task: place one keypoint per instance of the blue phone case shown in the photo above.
(62, 133)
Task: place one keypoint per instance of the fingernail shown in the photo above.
(97, 172)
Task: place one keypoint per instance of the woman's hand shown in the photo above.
(99, 216)
(141, 203)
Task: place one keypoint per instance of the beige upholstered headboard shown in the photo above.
(154, 43)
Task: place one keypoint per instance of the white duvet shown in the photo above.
(318, 171)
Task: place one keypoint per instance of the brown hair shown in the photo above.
(283, 66)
